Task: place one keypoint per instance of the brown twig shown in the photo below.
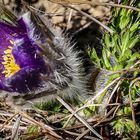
(94, 4)
(112, 93)
(46, 127)
(103, 90)
(11, 126)
(69, 18)
(78, 117)
(123, 71)
(47, 14)
(76, 134)
(15, 129)
(83, 27)
(8, 121)
(87, 131)
(131, 103)
(90, 17)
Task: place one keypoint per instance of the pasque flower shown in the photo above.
(20, 64)
(35, 56)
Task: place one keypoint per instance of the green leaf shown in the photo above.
(32, 129)
(88, 111)
(133, 58)
(127, 110)
(134, 26)
(127, 54)
(124, 19)
(133, 41)
(107, 40)
(125, 40)
(94, 57)
(105, 60)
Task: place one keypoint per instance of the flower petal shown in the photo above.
(20, 63)
(23, 81)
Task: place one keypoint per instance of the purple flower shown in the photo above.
(20, 61)
(35, 57)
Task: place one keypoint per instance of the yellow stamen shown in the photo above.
(10, 66)
(12, 42)
(7, 51)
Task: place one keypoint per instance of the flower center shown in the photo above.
(10, 66)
